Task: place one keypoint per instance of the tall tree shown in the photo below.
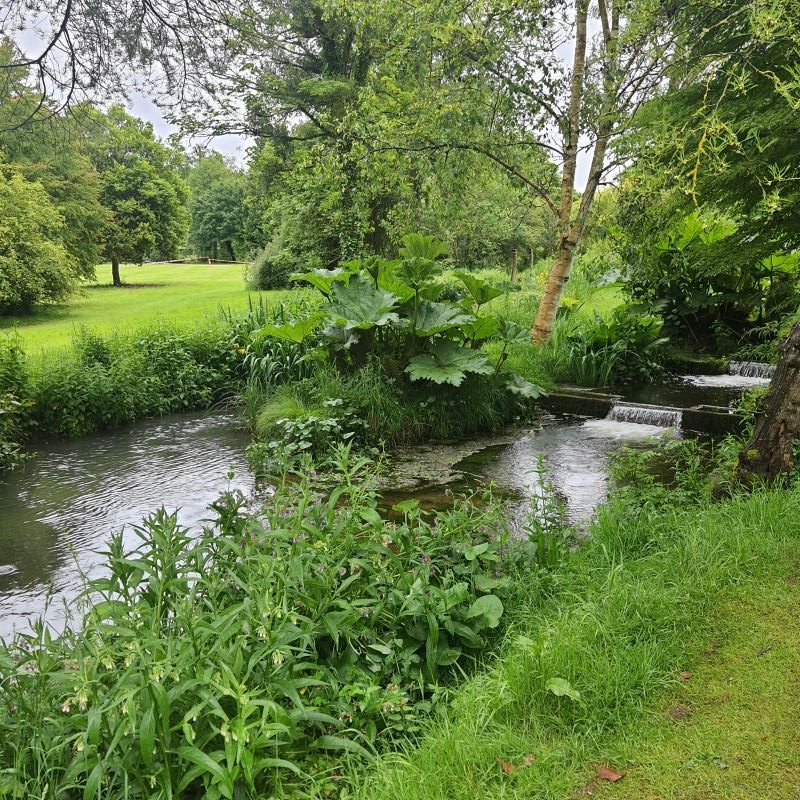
(217, 208)
(143, 190)
(492, 77)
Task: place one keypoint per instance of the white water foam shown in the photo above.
(654, 416)
(732, 381)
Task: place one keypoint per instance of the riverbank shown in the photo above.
(585, 670)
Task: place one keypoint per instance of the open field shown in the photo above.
(152, 292)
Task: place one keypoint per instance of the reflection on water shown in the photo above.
(62, 507)
(575, 454)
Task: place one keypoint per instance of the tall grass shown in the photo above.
(626, 615)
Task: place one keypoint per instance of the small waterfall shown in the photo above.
(658, 416)
(751, 369)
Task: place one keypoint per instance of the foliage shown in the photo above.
(35, 265)
(142, 189)
(689, 274)
(253, 659)
(217, 209)
(625, 348)
(389, 310)
(13, 385)
(271, 269)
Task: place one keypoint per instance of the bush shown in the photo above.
(35, 267)
(245, 661)
(271, 269)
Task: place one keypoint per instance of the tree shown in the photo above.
(771, 453)
(143, 191)
(35, 266)
(489, 76)
(217, 208)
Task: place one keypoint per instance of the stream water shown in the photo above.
(58, 511)
(61, 508)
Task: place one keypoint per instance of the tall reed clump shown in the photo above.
(259, 658)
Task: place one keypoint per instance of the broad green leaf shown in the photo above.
(360, 305)
(416, 272)
(433, 318)
(322, 279)
(481, 291)
(481, 328)
(340, 337)
(292, 332)
(519, 386)
(196, 756)
(512, 333)
(561, 687)
(488, 609)
(147, 735)
(417, 245)
(448, 362)
(448, 656)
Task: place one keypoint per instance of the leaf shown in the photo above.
(561, 687)
(471, 553)
(608, 774)
(196, 756)
(481, 291)
(417, 245)
(512, 333)
(340, 743)
(481, 328)
(322, 279)
(340, 337)
(488, 609)
(448, 656)
(447, 362)
(360, 305)
(519, 386)
(147, 735)
(433, 318)
(506, 766)
(292, 332)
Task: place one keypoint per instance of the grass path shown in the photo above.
(732, 730)
(152, 292)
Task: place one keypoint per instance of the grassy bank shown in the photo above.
(178, 293)
(584, 670)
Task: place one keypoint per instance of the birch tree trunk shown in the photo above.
(567, 241)
(769, 455)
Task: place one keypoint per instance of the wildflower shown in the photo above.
(278, 658)
(65, 708)
(426, 559)
(342, 572)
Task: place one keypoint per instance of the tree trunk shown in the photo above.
(769, 455)
(567, 241)
(115, 271)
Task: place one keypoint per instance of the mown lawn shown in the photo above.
(152, 292)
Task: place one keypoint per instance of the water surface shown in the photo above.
(61, 508)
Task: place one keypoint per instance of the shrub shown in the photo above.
(251, 658)
(271, 269)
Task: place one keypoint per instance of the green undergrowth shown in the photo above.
(626, 614)
(729, 730)
(261, 657)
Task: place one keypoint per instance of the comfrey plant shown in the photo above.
(252, 659)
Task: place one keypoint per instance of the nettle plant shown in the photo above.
(392, 309)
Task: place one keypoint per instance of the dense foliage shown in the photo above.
(257, 656)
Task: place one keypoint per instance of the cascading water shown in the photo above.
(751, 369)
(656, 416)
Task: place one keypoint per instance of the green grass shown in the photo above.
(152, 292)
(634, 608)
(731, 729)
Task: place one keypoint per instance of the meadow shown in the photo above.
(176, 293)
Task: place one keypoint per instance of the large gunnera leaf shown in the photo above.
(433, 318)
(292, 332)
(448, 362)
(323, 279)
(478, 329)
(519, 386)
(360, 305)
(512, 333)
(481, 291)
